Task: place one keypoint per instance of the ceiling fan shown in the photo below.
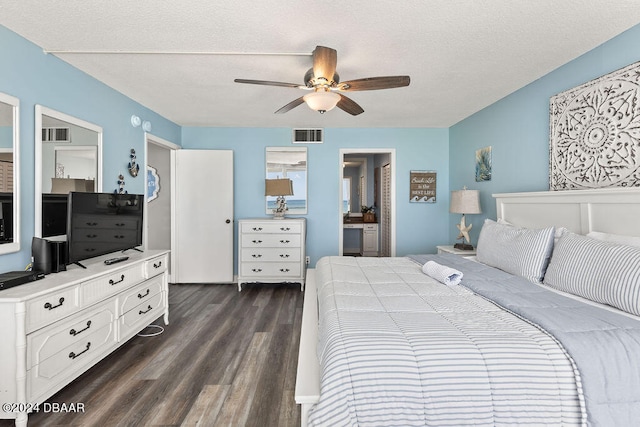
(325, 85)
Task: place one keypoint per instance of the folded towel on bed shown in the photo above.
(447, 275)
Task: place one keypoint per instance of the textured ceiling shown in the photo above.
(179, 58)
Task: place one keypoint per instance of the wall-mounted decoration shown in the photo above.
(133, 167)
(594, 136)
(483, 164)
(422, 186)
(120, 189)
(153, 183)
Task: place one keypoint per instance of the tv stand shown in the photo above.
(55, 329)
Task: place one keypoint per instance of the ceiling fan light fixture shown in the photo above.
(321, 101)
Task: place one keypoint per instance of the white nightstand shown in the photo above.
(449, 249)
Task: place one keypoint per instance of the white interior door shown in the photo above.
(202, 244)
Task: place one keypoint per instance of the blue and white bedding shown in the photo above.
(396, 347)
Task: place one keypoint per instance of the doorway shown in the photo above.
(368, 190)
(158, 193)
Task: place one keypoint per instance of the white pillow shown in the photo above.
(604, 272)
(615, 238)
(559, 230)
(521, 251)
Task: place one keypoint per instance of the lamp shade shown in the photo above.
(465, 202)
(321, 101)
(278, 187)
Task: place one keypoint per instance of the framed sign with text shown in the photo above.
(422, 186)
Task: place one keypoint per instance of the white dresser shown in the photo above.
(56, 328)
(271, 251)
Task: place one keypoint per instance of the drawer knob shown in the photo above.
(284, 270)
(143, 295)
(48, 305)
(284, 255)
(256, 255)
(91, 236)
(158, 265)
(285, 241)
(74, 332)
(257, 241)
(120, 224)
(285, 228)
(256, 270)
(118, 236)
(73, 355)
(92, 224)
(146, 311)
(257, 228)
(113, 282)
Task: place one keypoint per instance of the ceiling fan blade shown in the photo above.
(348, 105)
(324, 62)
(290, 106)
(374, 83)
(268, 83)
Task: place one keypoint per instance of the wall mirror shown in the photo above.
(354, 184)
(68, 157)
(9, 165)
(288, 162)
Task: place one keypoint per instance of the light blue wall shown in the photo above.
(420, 226)
(517, 128)
(36, 78)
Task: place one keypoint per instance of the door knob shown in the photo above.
(228, 221)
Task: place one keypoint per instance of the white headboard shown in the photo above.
(611, 210)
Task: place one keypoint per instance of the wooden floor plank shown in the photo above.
(226, 358)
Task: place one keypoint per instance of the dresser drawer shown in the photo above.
(50, 340)
(140, 294)
(110, 284)
(274, 269)
(51, 308)
(142, 314)
(156, 266)
(69, 362)
(271, 227)
(270, 241)
(270, 254)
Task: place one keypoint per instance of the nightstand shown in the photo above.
(449, 249)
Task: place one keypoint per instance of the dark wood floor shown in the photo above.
(227, 358)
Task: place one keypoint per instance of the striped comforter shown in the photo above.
(398, 348)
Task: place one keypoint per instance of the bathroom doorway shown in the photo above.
(370, 173)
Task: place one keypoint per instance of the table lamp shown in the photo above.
(464, 202)
(280, 188)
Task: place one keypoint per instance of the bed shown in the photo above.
(382, 343)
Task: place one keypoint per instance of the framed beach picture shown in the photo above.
(483, 164)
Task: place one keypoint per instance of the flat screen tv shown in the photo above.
(102, 223)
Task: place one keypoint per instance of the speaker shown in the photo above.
(41, 253)
(48, 256)
(59, 256)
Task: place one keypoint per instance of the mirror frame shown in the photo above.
(44, 111)
(306, 180)
(14, 246)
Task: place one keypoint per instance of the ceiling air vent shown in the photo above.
(307, 136)
(56, 135)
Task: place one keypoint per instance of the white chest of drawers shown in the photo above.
(56, 328)
(271, 251)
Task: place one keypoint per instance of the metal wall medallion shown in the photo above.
(594, 135)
